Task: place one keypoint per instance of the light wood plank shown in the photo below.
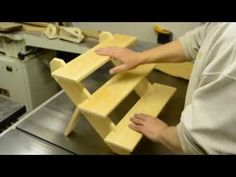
(107, 97)
(76, 92)
(9, 27)
(56, 63)
(72, 122)
(102, 126)
(123, 140)
(182, 70)
(82, 66)
(104, 35)
(30, 28)
(141, 87)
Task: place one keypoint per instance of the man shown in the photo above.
(208, 121)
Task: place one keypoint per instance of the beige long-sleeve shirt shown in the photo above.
(208, 121)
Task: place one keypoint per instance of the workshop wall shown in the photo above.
(143, 30)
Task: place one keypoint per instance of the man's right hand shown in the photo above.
(129, 59)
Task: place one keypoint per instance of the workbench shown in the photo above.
(41, 131)
(39, 40)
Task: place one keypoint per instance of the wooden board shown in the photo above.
(106, 98)
(9, 26)
(182, 70)
(82, 66)
(123, 140)
(40, 24)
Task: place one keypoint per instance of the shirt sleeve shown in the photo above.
(192, 41)
(209, 121)
(187, 143)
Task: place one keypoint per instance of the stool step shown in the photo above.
(107, 97)
(123, 140)
(85, 64)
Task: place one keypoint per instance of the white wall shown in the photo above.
(143, 30)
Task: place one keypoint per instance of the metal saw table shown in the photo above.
(41, 131)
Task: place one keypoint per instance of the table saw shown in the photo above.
(25, 57)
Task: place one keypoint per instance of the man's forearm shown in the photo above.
(168, 53)
(169, 138)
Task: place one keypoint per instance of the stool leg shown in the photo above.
(72, 122)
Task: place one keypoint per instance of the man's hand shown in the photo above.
(149, 126)
(129, 59)
(169, 53)
(157, 131)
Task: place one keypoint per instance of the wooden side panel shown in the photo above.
(102, 126)
(76, 92)
(142, 87)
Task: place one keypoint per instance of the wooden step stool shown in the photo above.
(97, 106)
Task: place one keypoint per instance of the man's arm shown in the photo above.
(170, 139)
(186, 47)
(171, 52)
